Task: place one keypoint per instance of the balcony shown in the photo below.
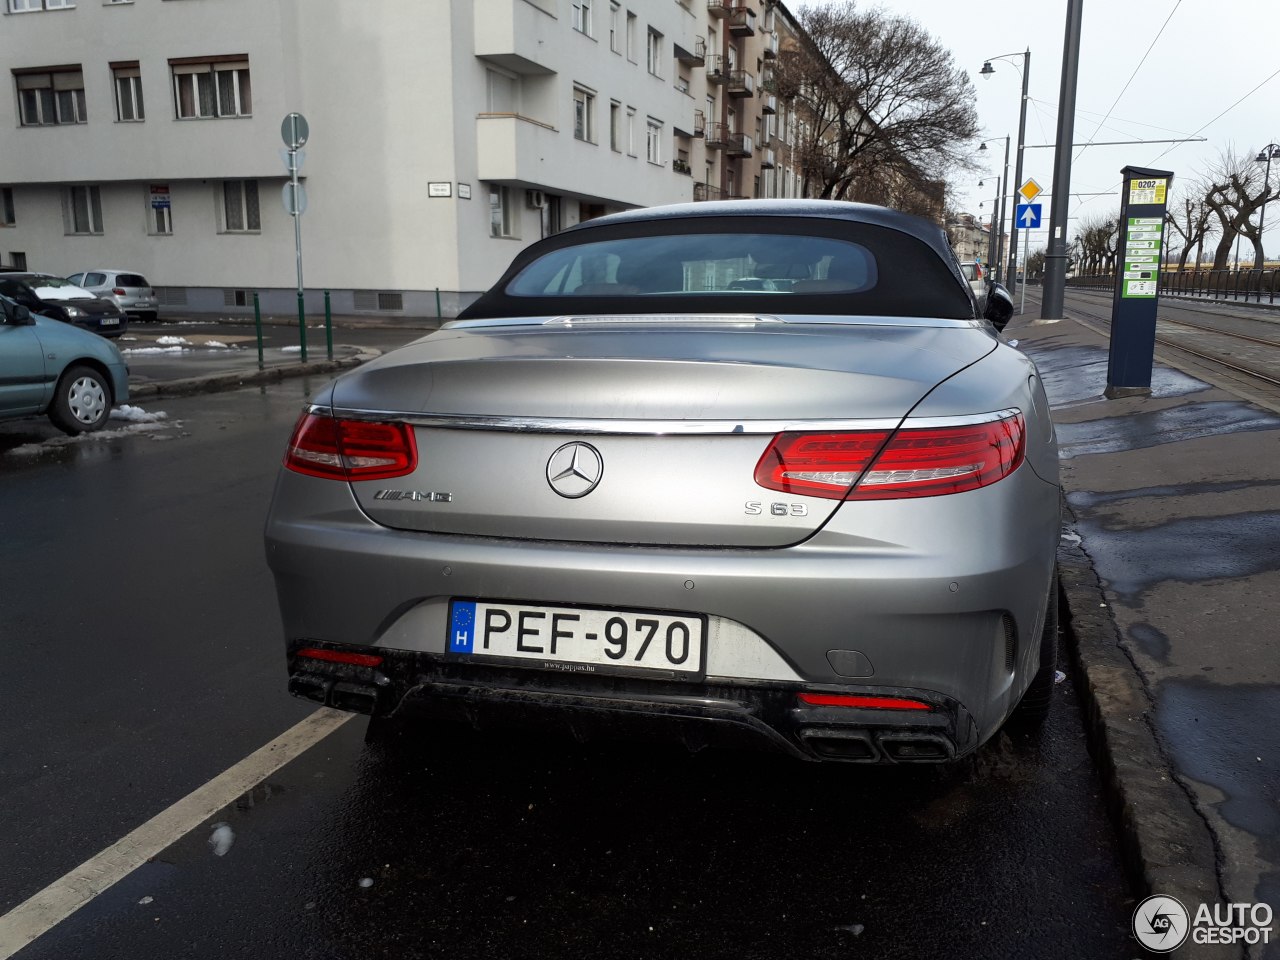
(771, 47)
(705, 191)
(742, 22)
(515, 35)
(716, 136)
(740, 145)
(696, 57)
(717, 69)
(768, 159)
(719, 8)
(768, 104)
(699, 123)
(682, 166)
(740, 84)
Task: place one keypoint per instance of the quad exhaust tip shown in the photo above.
(860, 746)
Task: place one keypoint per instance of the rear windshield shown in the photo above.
(772, 264)
(131, 280)
(700, 263)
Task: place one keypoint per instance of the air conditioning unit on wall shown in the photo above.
(536, 199)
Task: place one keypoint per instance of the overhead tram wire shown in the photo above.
(1123, 89)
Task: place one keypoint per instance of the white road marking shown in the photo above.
(29, 920)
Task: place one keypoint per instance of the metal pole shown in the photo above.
(328, 326)
(1003, 195)
(1026, 254)
(1262, 217)
(1055, 277)
(297, 243)
(257, 323)
(993, 252)
(1017, 177)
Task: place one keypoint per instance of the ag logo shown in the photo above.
(1161, 924)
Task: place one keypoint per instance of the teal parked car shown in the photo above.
(50, 367)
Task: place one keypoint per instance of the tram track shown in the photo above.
(1264, 377)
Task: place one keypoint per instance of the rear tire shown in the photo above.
(81, 401)
(1033, 710)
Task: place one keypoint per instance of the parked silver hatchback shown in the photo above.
(127, 289)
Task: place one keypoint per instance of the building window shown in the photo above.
(615, 28)
(240, 206)
(211, 88)
(502, 212)
(128, 92)
(24, 6)
(17, 259)
(632, 26)
(615, 126)
(7, 217)
(584, 108)
(81, 210)
(159, 210)
(51, 97)
(653, 142)
(582, 16)
(653, 53)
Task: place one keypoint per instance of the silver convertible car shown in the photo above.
(623, 496)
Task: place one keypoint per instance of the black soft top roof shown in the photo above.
(920, 276)
(918, 227)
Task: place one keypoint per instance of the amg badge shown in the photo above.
(432, 496)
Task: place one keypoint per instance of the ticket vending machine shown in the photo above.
(1143, 200)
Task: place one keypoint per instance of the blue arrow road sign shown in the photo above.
(1028, 215)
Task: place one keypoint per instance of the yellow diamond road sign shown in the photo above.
(1030, 190)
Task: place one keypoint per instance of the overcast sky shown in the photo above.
(1206, 58)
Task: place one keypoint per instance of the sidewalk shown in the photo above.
(1171, 569)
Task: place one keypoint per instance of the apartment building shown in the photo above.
(445, 135)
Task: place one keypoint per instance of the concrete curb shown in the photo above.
(240, 378)
(1166, 846)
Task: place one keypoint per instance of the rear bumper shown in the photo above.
(755, 715)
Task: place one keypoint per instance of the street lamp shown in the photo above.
(1268, 153)
(987, 71)
(993, 258)
(1002, 185)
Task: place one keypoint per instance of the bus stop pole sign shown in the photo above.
(1143, 201)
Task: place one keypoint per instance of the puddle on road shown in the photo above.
(1076, 374)
(1131, 560)
(1088, 499)
(1136, 431)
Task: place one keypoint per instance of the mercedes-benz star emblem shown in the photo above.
(575, 470)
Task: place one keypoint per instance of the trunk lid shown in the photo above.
(675, 417)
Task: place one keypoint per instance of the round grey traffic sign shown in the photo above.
(294, 131)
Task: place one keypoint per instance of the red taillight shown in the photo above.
(977, 271)
(916, 462)
(340, 656)
(351, 449)
(873, 703)
(118, 292)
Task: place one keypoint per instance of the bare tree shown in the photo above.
(885, 111)
(1098, 236)
(1035, 263)
(1235, 191)
(1192, 219)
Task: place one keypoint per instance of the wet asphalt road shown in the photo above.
(141, 650)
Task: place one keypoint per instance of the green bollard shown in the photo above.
(439, 314)
(328, 325)
(302, 328)
(257, 323)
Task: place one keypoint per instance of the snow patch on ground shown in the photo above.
(134, 351)
(173, 341)
(137, 414)
(53, 443)
(297, 349)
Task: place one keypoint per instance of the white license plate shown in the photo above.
(578, 638)
(109, 322)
